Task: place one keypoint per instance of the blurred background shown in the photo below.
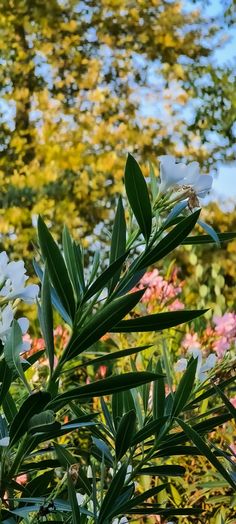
(84, 82)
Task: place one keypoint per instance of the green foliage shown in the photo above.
(135, 434)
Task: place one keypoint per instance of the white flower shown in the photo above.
(202, 368)
(6, 318)
(187, 176)
(13, 279)
(80, 499)
(4, 442)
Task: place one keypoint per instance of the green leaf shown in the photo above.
(79, 260)
(226, 401)
(155, 509)
(168, 471)
(107, 416)
(57, 268)
(125, 433)
(113, 492)
(65, 458)
(151, 428)
(117, 404)
(158, 401)
(32, 405)
(170, 241)
(207, 239)
(114, 355)
(12, 349)
(210, 230)
(101, 323)
(46, 318)
(43, 422)
(54, 296)
(184, 388)
(38, 485)
(101, 282)
(106, 386)
(5, 379)
(157, 321)
(9, 408)
(139, 499)
(203, 447)
(154, 183)
(118, 241)
(137, 193)
(71, 261)
(73, 501)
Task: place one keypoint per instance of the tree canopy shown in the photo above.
(82, 83)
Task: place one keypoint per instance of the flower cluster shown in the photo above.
(160, 292)
(186, 178)
(12, 289)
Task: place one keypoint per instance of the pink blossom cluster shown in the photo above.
(160, 292)
(220, 337)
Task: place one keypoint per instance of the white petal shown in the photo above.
(171, 173)
(181, 364)
(192, 173)
(203, 185)
(4, 442)
(24, 324)
(28, 294)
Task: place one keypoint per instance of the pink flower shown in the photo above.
(176, 305)
(233, 401)
(220, 346)
(191, 340)
(225, 325)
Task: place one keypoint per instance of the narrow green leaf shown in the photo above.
(6, 374)
(148, 430)
(125, 433)
(184, 388)
(71, 261)
(203, 447)
(107, 416)
(157, 321)
(228, 404)
(12, 349)
(78, 253)
(103, 279)
(106, 386)
(155, 509)
(117, 404)
(207, 239)
(32, 405)
(95, 266)
(43, 422)
(38, 486)
(139, 499)
(154, 183)
(54, 296)
(46, 317)
(115, 355)
(168, 471)
(57, 268)
(118, 241)
(9, 408)
(101, 323)
(158, 402)
(65, 458)
(73, 501)
(113, 492)
(210, 230)
(137, 193)
(170, 241)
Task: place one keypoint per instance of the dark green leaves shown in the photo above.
(112, 494)
(170, 241)
(107, 386)
(157, 321)
(12, 349)
(32, 405)
(57, 268)
(125, 433)
(46, 318)
(203, 448)
(118, 241)
(207, 239)
(101, 323)
(137, 193)
(184, 388)
(101, 282)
